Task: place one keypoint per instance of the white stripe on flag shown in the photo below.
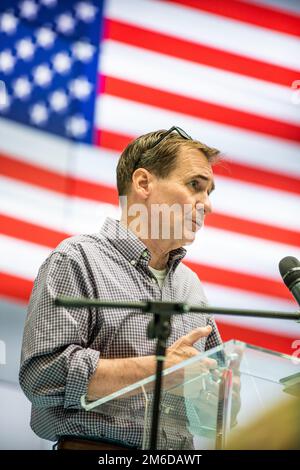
(20, 258)
(239, 253)
(130, 118)
(198, 81)
(209, 29)
(49, 209)
(35, 146)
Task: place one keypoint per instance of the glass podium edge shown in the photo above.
(90, 405)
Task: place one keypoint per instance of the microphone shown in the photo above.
(289, 268)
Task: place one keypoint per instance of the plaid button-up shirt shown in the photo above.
(62, 346)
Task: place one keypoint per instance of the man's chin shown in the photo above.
(189, 237)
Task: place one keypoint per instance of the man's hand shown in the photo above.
(183, 348)
(130, 370)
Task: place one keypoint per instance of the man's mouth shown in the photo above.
(197, 224)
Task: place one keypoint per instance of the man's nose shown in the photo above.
(205, 201)
(207, 206)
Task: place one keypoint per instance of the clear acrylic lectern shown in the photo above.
(203, 402)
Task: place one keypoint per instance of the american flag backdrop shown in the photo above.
(83, 78)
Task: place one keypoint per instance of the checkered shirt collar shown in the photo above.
(131, 247)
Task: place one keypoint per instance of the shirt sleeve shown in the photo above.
(56, 360)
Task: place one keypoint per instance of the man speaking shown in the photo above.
(164, 180)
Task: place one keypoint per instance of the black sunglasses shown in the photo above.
(180, 131)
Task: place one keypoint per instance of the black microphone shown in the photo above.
(289, 268)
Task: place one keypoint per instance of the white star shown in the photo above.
(8, 23)
(25, 49)
(85, 11)
(80, 88)
(65, 23)
(7, 61)
(48, 3)
(61, 62)
(83, 51)
(58, 100)
(39, 113)
(22, 88)
(45, 37)
(4, 98)
(42, 75)
(28, 9)
(77, 126)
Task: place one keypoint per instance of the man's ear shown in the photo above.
(142, 182)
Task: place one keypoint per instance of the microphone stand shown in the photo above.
(159, 328)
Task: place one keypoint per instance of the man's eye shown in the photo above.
(195, 184)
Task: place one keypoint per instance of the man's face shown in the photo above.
(186, 190)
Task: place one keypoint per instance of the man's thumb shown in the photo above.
(197, 334)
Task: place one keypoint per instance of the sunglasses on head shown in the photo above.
(180, 131)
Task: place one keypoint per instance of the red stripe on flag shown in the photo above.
(239, 280)
(270, 18)
(105, 194)
(264, 339)
(31, 232)
(118, 142)
(14, 287)
(198, 53)
(199, 108)
(253, 229)
(263, 177)
(33, 174)
(111, 140)
(94, 191)
(50, 180)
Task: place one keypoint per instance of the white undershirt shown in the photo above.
(160, 275)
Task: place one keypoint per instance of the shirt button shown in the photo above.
(154, 280)
(144, 254)
(133, 262)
